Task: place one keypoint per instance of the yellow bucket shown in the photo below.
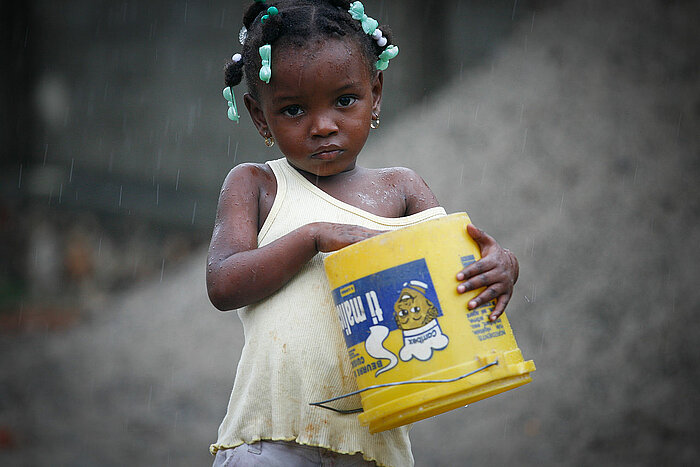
(415, 348)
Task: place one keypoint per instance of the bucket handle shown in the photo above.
(396, 383)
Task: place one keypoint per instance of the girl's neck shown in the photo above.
(325, 180)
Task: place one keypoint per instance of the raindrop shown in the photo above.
(177, 179)
(228, 147)
(532, 24)
(26, 36)
(461, 175)
(19, 183)
(121, 188)
(194, 210)
(60, 193)
(515, 4)
(476, 112)
(522, 150)
(70, 176)
(522, 111)
(46, 151)
(99, 247)
(542, 341)
(157, 193)
(561, 204)
(678, 129)
(162, 267)
(235, 153)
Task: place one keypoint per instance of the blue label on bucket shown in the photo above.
(401, 297)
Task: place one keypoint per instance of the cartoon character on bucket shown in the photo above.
(416, 316)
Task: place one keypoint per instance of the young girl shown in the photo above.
(314, 74)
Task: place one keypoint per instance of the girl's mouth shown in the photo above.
(327, 154)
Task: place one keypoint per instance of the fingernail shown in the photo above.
(460, 276)
(460, 288)
(472, 304)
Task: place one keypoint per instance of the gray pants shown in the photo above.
(285, 454)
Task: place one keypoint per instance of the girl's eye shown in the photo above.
(346, 101)
(292, 110)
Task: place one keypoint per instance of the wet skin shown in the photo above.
(318, 107)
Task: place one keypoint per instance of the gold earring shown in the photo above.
(374, 123)
(269, 141)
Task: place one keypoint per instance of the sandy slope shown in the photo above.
(580, 153)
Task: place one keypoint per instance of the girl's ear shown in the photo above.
(256, 114)
(377, 85)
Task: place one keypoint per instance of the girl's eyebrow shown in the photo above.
(352, 85)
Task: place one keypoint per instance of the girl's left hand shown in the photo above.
(497, 270)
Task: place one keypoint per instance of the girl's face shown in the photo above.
(318, 105)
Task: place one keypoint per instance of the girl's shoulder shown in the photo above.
(251, 174)
(250, 184)
(402, 177)
(418, 196)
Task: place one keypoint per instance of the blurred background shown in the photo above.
(569, 130)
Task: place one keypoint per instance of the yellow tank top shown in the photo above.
(294, 351)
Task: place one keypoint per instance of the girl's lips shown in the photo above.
(328, 154)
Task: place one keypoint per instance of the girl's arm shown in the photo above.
(496, 271)
(240, 273)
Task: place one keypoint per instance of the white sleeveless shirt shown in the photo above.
(294, 351)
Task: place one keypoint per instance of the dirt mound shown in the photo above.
(578, 148)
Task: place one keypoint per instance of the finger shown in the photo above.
(500, 307)
(476, 268)
(480, 237)
(482, 280)
(486, 296)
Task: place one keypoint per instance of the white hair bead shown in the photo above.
(376, 34)
(382, 42)
(236, 57)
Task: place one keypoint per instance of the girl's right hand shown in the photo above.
(331, 237)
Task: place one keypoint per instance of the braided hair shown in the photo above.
(297, 23)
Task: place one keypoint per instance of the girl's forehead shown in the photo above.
(335, 52)
(318, 60)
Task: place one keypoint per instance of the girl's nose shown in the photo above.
(324, 125)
